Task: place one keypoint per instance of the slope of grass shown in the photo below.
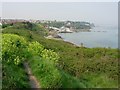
(13, 77)
(42, 62)
(13, 54)
(50, 77)
(94, 67)
(98, 80)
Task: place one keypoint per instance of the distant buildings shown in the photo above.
(61, 30)
(54, 28)
(59, 26)
(65, 30)
(12, 21)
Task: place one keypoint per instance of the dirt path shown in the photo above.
(33, 81)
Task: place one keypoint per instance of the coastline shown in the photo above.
(89, 39)
(81, 45)
(58, 37)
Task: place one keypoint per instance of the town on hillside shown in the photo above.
(60, 26)
(55, 26)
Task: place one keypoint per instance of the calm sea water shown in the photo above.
(100, 36)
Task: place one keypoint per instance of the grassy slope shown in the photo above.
(95, 67)
(14, 77)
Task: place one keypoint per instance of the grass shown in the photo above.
(14, 77)
(50, 77)
(98, 80)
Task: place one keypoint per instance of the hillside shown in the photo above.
(56, 63)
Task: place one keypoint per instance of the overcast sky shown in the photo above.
(96, 12)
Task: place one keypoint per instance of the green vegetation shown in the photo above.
(55, 24)
(43, 63)
(29, 27)
(81, 25)
(13, 53)
(75, 24)
(56, 63)
(15, 50)
(6, 25)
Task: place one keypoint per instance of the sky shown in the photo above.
(105, 13)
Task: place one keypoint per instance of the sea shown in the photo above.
(100, 36)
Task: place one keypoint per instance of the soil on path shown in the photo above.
(33, 81)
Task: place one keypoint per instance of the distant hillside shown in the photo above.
(73, 24)
(21, 23)
(26, 26)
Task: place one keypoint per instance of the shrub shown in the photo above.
(13, 48)
(35, 48)
(50, 55)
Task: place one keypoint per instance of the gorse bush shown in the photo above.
(35, 48)
(50, 55)
(13, 48)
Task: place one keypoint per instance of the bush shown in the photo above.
(13, 48)
(35, 48)
(50, 55)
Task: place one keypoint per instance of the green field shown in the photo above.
(55, 63)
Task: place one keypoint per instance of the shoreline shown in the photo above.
(55, 35)
(82, 45)
(58, 37)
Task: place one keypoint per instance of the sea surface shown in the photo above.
(100, 36)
